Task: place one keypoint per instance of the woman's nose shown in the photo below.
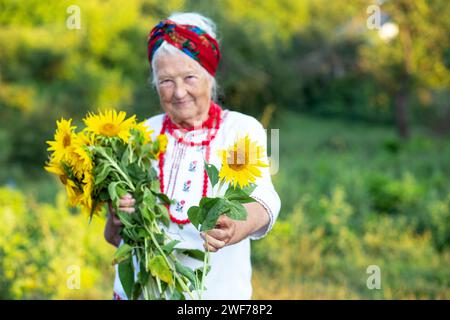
(180, 91)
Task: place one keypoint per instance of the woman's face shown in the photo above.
(184, 89)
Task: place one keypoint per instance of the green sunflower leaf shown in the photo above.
(122, 253)
(237, 211)
(126, 276)
(213, 173)
(220, 207)
(237, 194)
(159, 268)
(168, 248)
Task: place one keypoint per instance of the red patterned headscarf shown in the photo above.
(192, 40)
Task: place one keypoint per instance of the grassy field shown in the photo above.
(352, 196)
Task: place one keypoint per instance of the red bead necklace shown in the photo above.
(213, 121)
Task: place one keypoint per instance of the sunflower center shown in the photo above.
(110, 129)
(237, 160)
(66, 140)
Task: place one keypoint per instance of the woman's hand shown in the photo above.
(113, 224)
(228, 231)
(221, 235)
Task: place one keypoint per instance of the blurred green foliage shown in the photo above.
(312, 56)
(369, 205)
(42, 247)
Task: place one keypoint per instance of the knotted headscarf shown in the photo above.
(191, 40)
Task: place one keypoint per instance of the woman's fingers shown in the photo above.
(212, 244)
(126, 202)
(209, 248)
(220, 234)
(127, 209)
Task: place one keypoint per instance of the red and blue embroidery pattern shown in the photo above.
(187, 186)
(193, 166)
(192, 40)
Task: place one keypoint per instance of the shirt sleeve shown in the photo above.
(264, 192)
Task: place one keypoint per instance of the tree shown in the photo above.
(413, 60)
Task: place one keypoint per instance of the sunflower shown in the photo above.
(79, 160)
(64, 139)
(72, 190)
(110, 124)
(241, 162)
(88, 185)
(54, 167)
(74, 194)
(87, 200)
(162, 143)
(144, 131)
(86, 138)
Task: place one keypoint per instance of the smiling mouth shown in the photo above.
(182, 103)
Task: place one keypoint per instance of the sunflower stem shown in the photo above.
(177, 277)
(116, 166)
(205, 266)
(158, 282)
(130, 153)
(221, 184)
(145, 292)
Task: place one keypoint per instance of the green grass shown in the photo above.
(353, 195)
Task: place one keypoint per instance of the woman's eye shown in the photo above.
(164, 82)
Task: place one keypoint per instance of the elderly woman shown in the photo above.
(184, 56)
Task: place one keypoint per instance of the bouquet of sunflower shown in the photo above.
(110, 157)
(240, 165)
